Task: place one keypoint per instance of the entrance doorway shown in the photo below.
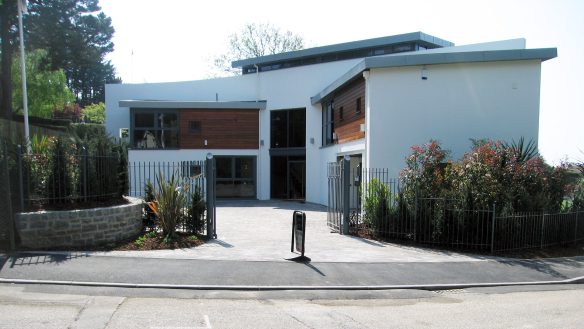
(288, 177)
(288, 154)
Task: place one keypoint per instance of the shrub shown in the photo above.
(195, 222)
(377, 204)
(424, 175)
(169, 203)
(148, 215)
(60, 181)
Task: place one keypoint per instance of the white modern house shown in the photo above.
(273, 129)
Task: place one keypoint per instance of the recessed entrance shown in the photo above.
(288, 154)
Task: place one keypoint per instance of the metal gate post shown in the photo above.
(11, 224)
(346, 180)
(210, 175)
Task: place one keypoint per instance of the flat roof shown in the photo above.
(159, 104)
(415, 59)
(420, 37)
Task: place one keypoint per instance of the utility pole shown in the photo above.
(21, 9)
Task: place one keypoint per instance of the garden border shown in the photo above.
(80, 227)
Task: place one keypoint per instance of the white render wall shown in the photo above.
(283, 89)
(497, 100)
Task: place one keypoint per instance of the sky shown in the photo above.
(177, 40)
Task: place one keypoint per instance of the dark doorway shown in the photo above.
(288, 179)
(288, 154)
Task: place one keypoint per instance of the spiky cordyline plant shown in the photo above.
(169, 201)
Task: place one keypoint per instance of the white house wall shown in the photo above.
(498, 100)
(283, 89)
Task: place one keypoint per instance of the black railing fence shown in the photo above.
(195, 178)
(380, 208)
(57, 179)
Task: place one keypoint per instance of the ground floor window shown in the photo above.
(236, 176)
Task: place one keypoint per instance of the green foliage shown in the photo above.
(87, 131)
(148, 215)
(169, 203)
(94, 113)
(514, 176)
(195, 221)
(424, 175)
(46, 87)
(60, 186)
(140, 240)
(578, 194)
(77, 37)
(377, 204)
(521, 151)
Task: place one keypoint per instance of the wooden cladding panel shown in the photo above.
(223, 129)
(348, 127)
(350, 131)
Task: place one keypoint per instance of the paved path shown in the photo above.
(261, 231)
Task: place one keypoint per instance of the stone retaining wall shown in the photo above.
(80, 228)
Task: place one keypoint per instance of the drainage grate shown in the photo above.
(451, 291)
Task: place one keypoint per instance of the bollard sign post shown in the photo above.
(298, 232)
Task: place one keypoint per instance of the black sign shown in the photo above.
(298, 231)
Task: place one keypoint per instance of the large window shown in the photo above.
(235, 177)
(288, 128)
(154, 129)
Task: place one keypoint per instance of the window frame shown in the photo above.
(155, 128)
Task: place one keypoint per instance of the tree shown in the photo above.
(77, 36)
(7, 36)
(256, 40)
(94, 113)
(47, 89)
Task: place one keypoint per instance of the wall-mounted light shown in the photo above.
(205, 142)
(261, 142)
(311, 140)
(424, 73)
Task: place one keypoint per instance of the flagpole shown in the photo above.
(23, 74)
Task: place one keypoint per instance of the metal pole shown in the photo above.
(493, 228)
(23, 77)
(346, 180)
(84, 173)
(210, 195)
(542, 230)
(576, 227)
(20, 178)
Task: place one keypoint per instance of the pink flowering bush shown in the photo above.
(424, 172)
(513, 177)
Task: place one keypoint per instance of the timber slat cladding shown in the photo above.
(350, 132)
(349, 127)
(223, 129)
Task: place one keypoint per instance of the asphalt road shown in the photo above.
(510, 307)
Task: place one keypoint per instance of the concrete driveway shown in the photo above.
(261, 231)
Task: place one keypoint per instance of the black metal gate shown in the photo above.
(199, 175)
(335, 194)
